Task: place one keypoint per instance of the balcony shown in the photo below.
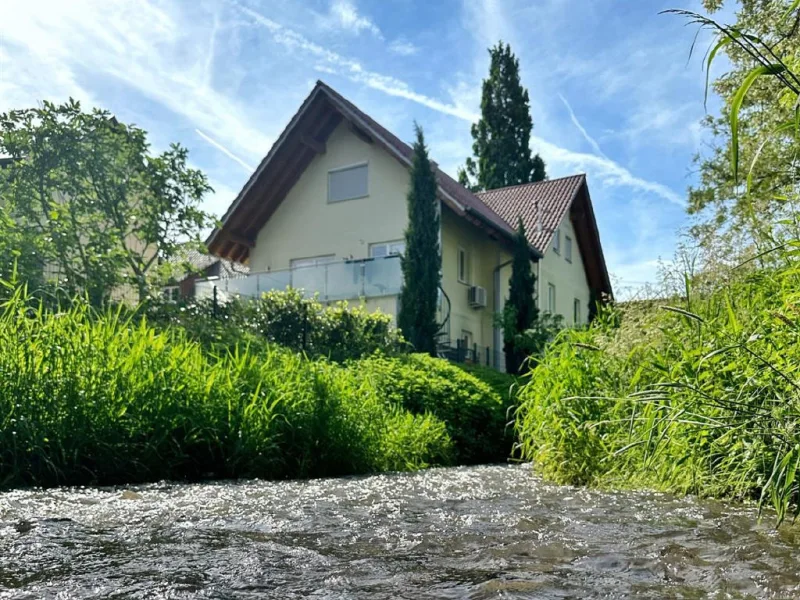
(332, 282)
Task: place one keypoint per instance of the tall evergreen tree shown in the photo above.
(520, 312)
(422, 261)
(501, 138)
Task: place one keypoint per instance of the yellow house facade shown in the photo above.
(326, 212)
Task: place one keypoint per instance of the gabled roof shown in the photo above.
(495, 211)
(319, 115)
(543, 206)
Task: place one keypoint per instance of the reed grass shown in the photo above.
(104, 398)
(698, 394)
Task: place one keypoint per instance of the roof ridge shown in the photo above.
(531, 183)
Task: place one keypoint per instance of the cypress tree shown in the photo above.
(421, 262)
(501, 138)
(520, 312)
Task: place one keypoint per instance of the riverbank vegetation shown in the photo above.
(106, 397)
(697, 390)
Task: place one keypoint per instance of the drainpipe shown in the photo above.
(498, 334)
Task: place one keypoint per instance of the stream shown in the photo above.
(468, 532)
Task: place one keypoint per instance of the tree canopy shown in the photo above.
(501, 138)
(750, 204)
(84, 193)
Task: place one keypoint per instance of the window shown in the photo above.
(576, 311)
(313, 261)
(568, 248)
(463, 266)
(171, 293)
(557, 241)
(551, 298)
(347, 183)
(386, 249)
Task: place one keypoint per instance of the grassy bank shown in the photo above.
(90, 398)
(695, 394)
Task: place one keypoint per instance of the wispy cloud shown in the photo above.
(595, 146)
(344, 15)
(403, 47)
(334, 62)
(141, 45)
(225, 151)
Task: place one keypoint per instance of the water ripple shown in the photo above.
(477, 532)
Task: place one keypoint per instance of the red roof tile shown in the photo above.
(542, 206)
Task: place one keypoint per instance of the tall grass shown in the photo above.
(698, 394)
(105, 398)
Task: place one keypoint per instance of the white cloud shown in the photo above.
(344, 15)
(58, 45)
(403, 47)
(334, 62)
(225, 151)
(595, 146)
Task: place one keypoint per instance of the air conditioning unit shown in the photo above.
(477, 296)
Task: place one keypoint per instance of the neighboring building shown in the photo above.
(326, 211)
(194, 266)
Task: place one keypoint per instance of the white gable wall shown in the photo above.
(305, 225)
(569, 278)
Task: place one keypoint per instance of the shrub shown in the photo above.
(474, 414)
(339, 332)
(105, 398)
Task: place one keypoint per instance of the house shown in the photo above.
(193, 266)
(326, 211)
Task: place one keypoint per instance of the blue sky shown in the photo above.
(612, 93)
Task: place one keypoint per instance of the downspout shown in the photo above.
(497, 331)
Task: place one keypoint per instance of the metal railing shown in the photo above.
(458, 352)
(341, 280)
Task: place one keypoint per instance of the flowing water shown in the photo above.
(477, 532)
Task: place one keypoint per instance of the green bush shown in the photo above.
(101, 398)
(473, 412)
(698, 395)
(338, 332)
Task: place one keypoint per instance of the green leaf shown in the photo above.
(736, 106)
(685, 313)
(711, 54)
(793, 7)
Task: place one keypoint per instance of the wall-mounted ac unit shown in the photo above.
(477, 296)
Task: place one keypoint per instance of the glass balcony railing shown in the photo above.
(344, 280)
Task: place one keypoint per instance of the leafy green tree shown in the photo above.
(753, 205)
(85, 191)
(422, 262)
(520, 312)
(502, 136)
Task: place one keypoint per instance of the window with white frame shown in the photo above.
(557, 241)
(463, 265)
(551, 298)
(576, 311)
(568, 248)
(348, 183)
(171, 293)
(383, 249)
(312, 261)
